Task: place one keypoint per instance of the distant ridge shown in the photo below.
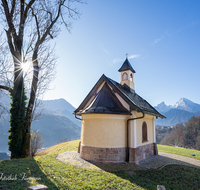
(55, 128)
(58, 103)
(57, 122)
(60, 107)
(181, 111)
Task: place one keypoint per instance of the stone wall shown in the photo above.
(103, 155)
(117, 155)
(142, 152)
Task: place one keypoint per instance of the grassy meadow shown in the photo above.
(179, 151)
(45, 169)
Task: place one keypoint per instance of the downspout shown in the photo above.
(79, 146)
(127, 148)
(77, 117)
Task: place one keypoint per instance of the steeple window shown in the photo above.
(125, 76)
(131, 77)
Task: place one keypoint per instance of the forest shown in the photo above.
(185, 135)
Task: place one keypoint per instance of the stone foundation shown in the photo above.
(117, 155)
(142, 152)
(103, 155)
(79, 147)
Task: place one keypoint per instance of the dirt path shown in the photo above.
(155, 162)
(164, 159)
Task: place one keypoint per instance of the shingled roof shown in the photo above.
(126, 66)
(137, 100)
(106, 102)
(130, 97)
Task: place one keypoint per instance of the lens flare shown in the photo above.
(26, 66)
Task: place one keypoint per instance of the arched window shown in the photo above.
(125, 76)
(144, 132)
(131, 76)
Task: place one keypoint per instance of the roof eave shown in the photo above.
(127, 70)
(161, 116)
(103, 113)
(121, 93)
(126, 98)
(89, 95)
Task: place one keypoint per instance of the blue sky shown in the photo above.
(161, 37)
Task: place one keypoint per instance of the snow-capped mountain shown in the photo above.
(182, 104)
(162, 107)
(187, 105)
(181, 111)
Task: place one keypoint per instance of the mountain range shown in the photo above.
(181, 111)
(56, 122)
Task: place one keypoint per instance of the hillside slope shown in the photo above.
(175, 116)
(57, 122)
(60, 176)
(53, 128)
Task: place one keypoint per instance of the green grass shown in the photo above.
(179, 151)
(45, 169)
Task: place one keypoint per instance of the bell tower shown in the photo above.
(127, 72)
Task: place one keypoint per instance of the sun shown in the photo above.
(26, 66)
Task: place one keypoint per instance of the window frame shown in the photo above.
(144, 132)
(131, 77)
(124, 76)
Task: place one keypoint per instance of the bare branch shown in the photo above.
(22, 20)
(12, 9)
(36, 22)
(3, 110)
(48, 28)
(6, 88)
(27, 8)
(71, 10)
(37, 142)
(9, 38)
(9, 19)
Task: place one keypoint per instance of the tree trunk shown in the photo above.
(27, 135)
(18, 109)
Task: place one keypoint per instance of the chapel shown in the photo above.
(118, 125)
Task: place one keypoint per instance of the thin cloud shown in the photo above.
(158, 40)
(194, 23)
(187, 26)
(180, 29)
(106, 51)
(117, 60)
(133, 56)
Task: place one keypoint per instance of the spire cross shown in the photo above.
(126, 55)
